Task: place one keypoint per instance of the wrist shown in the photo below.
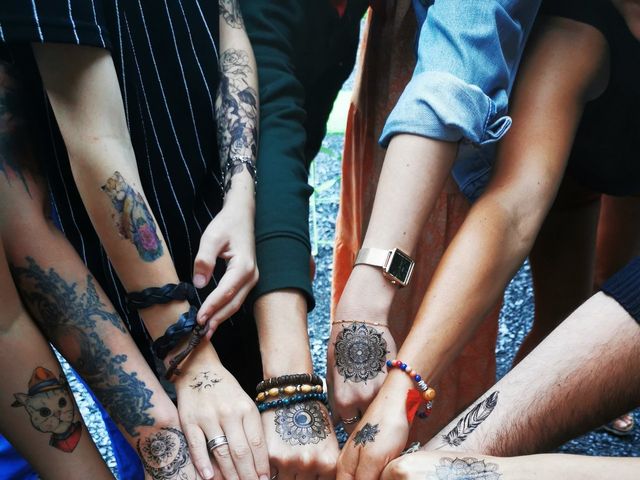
(203, 357)
(242, 192)
(367, 295)
(158, 318)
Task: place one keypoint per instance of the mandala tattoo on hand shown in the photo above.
(302, 423)
(467, 468)
(360, 352)
(366, 435)
(204, 381)
(165, 455)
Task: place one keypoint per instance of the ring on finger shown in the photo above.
(352, 420)
(275, 475)
(216, 442)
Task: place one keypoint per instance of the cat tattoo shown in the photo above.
(51, 409)
(134, 219)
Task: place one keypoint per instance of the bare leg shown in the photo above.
(575, 380)
(453, 466)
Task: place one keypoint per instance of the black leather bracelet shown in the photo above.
(160, 295)
(175, 333)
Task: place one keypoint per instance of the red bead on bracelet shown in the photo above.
(426, 392)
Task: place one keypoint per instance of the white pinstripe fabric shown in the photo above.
(73, 22)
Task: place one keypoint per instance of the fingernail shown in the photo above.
(199, 281)
(207, 473)
(264, 477)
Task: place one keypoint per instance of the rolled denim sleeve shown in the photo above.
(467, 56)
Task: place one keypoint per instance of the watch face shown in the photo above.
(400, 267)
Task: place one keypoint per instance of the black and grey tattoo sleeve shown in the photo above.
(366, 435)
(165, 455)
(230, 11)
(470, 421)
(302, 424)
(75, 320)
(467, 468)
(360, 352)
(236, 116)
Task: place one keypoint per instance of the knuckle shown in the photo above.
(222, 451)
(257, 442)
(202, 263)
(398, 469)
(241, 451)
(195, 444)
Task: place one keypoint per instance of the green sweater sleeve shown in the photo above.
(282, 196)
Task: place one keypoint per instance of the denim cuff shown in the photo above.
(442, 106)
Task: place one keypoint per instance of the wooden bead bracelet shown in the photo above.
(426, 392)
(285, 380)
(288, 391)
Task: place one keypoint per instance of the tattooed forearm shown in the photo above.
(51, 409)
(204, 381)
(360, 352)
(70, 320)
(470, 421)
(134, 219)
(230, 11)
(302, 423)
(165, 455)
(237, 116)
(15, 151)
(366, 435)
(466, 468)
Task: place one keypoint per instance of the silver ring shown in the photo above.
(217, 442)
(352, 420)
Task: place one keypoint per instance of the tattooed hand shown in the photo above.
(382, 433)
(165, 456)
(356, 357)
(301, 441)
(439, 466)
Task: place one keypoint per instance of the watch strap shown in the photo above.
(376, 257)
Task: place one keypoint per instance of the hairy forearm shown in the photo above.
(281, 317)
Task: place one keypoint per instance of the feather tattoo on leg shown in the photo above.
(471, 421)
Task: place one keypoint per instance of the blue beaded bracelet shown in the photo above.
(284, 402)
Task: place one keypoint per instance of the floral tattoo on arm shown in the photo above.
(360, 352)
(133, 218)
(230, 11)
(236, 116)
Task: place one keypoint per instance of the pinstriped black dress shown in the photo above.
(166, 57)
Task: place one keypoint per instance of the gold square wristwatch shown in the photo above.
(396, 265)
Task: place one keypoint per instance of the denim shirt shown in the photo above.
(468, 53)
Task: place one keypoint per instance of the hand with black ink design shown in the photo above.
(230, 237)
(301, 441)
(382, 433)
(356, 367)
(213, 408)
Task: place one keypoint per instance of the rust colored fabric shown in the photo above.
(385, 66)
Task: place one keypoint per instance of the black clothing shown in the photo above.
(624, 287)
(605, 152)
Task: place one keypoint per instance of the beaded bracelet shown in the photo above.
(426, 392)
(285, 380)
(300, 398)
(288, 390)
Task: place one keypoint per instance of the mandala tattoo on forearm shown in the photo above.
(230, 11)
(165, 455)
(360, 352)
(15, 147)
(466, 468)
(204, 381)
(302, 424)
(237, 116)
(470, 421)
(366, 434)
(134, 220)
(76, 322)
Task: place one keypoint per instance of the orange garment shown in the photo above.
(385, 66)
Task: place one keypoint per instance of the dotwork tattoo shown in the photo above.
(366, 435)
(237, 116)
(302, 424)
(51, 408)
(230, 11)
(360, 352)
(472, 420)
(77, 320)
(165, 455)
(467, 468)
(14, 142)
(204, 381)
(134, 220)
